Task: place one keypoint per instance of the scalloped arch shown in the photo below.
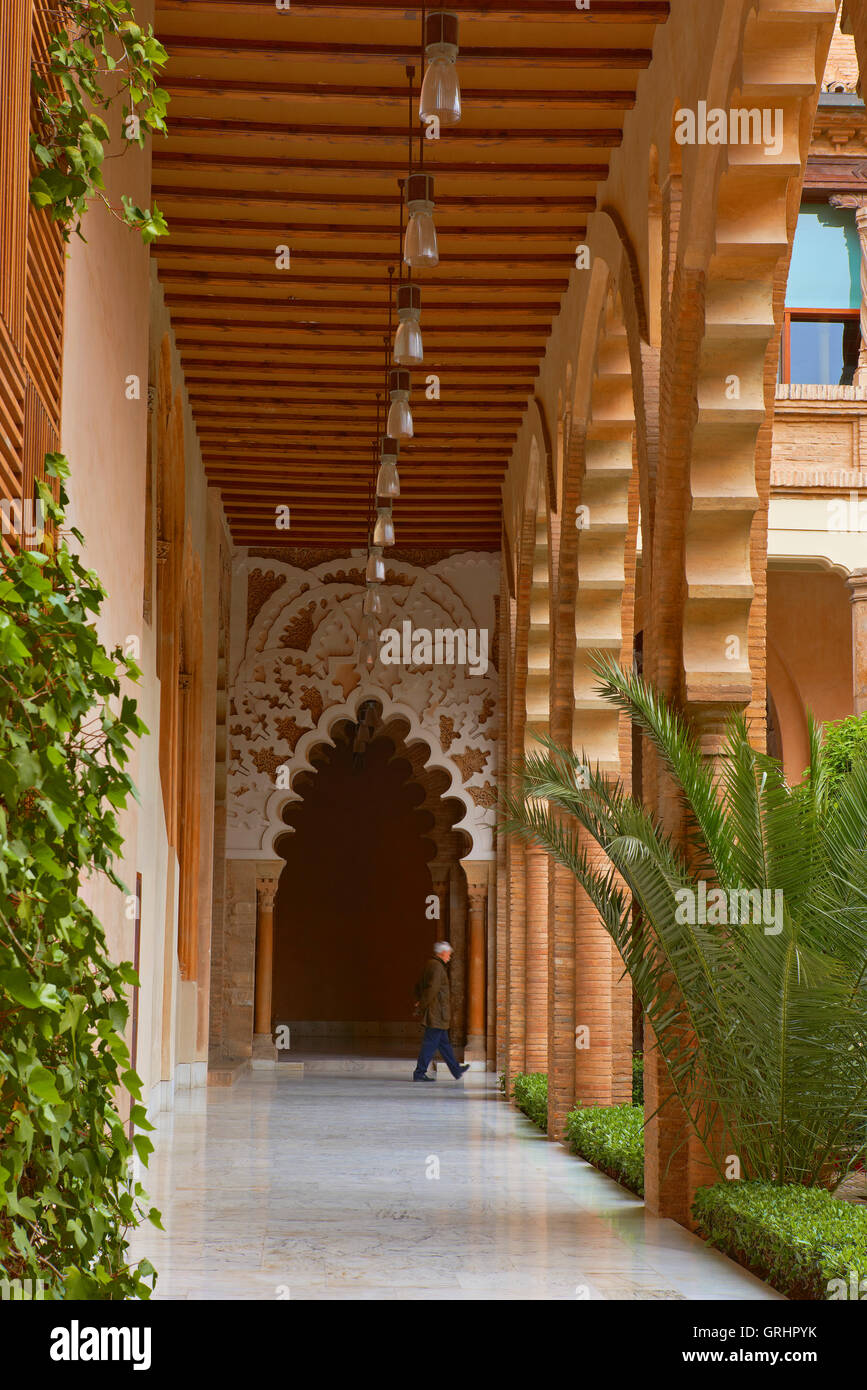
(480, 837)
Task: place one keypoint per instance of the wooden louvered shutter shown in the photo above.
(31, 274)
(15, 39)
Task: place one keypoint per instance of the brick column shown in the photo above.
(536, 959)
(857, 582)
(264, 1049)
(517, 982)
(602, 1033)
(561, 998)
(477, 892)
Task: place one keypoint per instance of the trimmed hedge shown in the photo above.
(530, 1090)
(799, 1239)
(612, 1138)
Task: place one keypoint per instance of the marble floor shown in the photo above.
(354, 1187)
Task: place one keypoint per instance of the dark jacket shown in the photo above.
(434, 995)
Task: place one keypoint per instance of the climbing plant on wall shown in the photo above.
(66, 1195)
(98, 59)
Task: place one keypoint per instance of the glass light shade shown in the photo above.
(367, 655)
(387, 481)
(372, 601)
(383, 531)
(369, 629)
(375, 572)
(420, 238)
(440, 90)
(408, 350)
(399, 424)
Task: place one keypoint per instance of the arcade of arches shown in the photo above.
(615, 463)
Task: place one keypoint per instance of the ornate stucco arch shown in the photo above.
(298, 676)
(322, 735)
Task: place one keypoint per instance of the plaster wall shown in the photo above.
(115, 320)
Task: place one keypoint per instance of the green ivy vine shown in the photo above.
(98, 57)
(67, 1197)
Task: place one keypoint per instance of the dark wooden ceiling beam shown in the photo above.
(277, 198)
(213, 299)
(214, 280)
(594, 137)
(552, 98)
(277, 165)
(530, 11)
(504, 259)
(279, 51)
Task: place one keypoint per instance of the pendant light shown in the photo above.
(387, 481)
(420, 240)
(408, 350)
(367, 655)
(383, 531)
(375, 572)
(440, 90)
(372, 602)
(399, 424)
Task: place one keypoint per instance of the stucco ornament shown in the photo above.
(298, 678)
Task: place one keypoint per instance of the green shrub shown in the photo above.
(844, 743)
(530, 1090)
(67, 1197)
(612, 1138)
(638, 1079)
(799, 1239)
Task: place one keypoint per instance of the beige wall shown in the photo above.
(115, 322)
(809, 656)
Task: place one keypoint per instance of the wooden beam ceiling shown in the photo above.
(290, 128)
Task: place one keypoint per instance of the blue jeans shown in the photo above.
(436, 1040)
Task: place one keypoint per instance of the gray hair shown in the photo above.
(442, 946)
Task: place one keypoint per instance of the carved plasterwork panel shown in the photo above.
(298, 678)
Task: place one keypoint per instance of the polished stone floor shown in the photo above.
(355, 1187)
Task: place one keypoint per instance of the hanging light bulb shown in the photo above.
(440, 90)
(372, 601)
(420, 238)
(369, 629)
(387, 481)
(399, 424)
(383, 531)
(367, 655)
(408, 350)
(375, 572)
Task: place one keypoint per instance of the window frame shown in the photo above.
(823, 315)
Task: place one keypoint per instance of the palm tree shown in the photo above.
(758, 1003)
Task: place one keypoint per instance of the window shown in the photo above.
(820, 347)
(821, 330)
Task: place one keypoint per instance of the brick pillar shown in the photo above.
(264, 1049)
(857, 582)
(517, 984)
(603, 1008)
(561, 998)
(536, 959)
(477, 892)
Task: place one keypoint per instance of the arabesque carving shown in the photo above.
(298, 678)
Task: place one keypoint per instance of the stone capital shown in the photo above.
(478, 872)
(266, 893)
(857, 582)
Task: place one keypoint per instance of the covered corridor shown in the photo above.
(322, 1188)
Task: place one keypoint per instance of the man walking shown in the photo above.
(434, 1003)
